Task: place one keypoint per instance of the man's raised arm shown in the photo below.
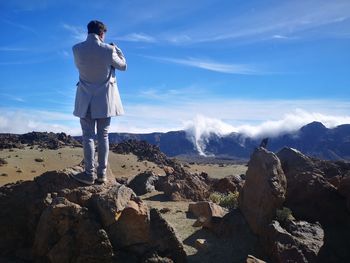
(118, 59)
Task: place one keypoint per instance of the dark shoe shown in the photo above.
(83, 178)
(101, 179)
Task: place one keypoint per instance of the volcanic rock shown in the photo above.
(56, 219)
(42, 139)
(301, 243)
(264, 190)
(229, 184)
(182, 185)
(165, 239)
(143, 150)
(143, 183)
(344, 189)
(309, 195)
(206, 211)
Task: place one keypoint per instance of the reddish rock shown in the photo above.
(182, 185)
(132, 225)
(205, 211)
(228, 184)
(264, 190)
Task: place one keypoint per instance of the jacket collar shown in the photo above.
(93, 37)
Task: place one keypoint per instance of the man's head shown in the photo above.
(98, 28)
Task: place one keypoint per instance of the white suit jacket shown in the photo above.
(97, 87)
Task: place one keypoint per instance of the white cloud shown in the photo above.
(200, 128)
(25, 120)
(210, 65)
(283, 18)
(251, 117)
(137, 37)
(78, 32)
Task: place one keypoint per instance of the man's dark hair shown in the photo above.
(96, 27)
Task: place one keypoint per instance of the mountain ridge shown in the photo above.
(314, 139)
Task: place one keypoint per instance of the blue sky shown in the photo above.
(206, 65)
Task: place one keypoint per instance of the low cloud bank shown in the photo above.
(200, 128)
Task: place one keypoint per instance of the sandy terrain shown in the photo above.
(25, 164)
(220, 250)
(219, 170)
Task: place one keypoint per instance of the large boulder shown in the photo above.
(66, 233)
(264, 190)
(205, 212)
(229, 184)
(165, 240)
(182, 185)
(344, 189)
(143, 183)
(131, 227)
(309, 195)
(302, 242)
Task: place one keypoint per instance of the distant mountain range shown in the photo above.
(313, 139)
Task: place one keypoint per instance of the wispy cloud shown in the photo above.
(12, 97)
(78, 32)
(211, 65)
(291, 19)
(20, 26)
(136, 37)
(165, 93)
(13, 49)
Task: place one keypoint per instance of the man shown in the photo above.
(97, 97)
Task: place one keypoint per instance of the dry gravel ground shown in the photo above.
(219, 250)
(22, 164)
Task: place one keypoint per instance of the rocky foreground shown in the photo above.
(291, 208)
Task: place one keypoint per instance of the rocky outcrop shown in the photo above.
(46, 140)
(229, 184)
(56, 219)
(165, 240)
(143, 150)
(264, 190)
(143, 183)
(302, 241)
(344, 189)
(67, 233)
(309, 195)
(182, 185)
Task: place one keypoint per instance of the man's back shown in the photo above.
(93, 59)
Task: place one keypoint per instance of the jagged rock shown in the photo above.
(143, 150)
(301, 243)
(201, 243)
(252, 259)
(66, 233)
(2, 162)
(182, 185)
(309, 195)
(143, 183)
(42, 139)
(132, 226)
(164, 238)
(264, 190)
(228, 184)
(205, 211)
(344, 189)
(61, 220)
